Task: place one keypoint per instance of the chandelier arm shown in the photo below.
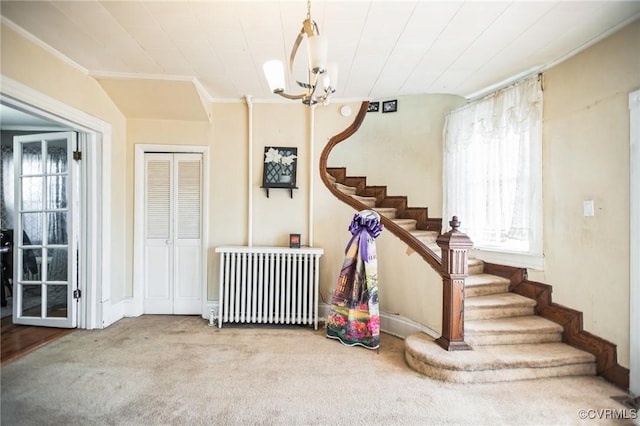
(313, 86)
(310, 28)
(288, 96)
(294, 50)
(304, 85)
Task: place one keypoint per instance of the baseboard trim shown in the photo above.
(393, 324)
(112, 312)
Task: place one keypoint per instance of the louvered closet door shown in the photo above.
(173, 234)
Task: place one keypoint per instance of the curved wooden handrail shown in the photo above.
(416, 245)
(454, 245)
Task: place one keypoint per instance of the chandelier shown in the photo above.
(321, 77)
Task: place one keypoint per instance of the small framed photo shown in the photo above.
(294, 240)
(373, 107)
(390, 106)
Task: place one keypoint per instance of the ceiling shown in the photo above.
(383, 49)
(14, 119)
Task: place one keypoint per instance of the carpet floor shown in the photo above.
(166, 370)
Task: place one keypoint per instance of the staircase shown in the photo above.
(415, 220)
(515, 329)
(509, 341)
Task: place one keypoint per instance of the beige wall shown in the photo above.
(586, 157)
(274, 218)
(586, 143)
(30, 65)
(402, 150)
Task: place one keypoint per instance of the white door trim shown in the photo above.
(95, 304)
(136, 307)
(634, 237)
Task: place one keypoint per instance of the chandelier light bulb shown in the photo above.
(317, 46)
(274, 73)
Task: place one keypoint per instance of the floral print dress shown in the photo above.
(354, 315)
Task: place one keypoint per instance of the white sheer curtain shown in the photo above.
(6, 187)
(493, 169)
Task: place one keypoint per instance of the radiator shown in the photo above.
(269, 285)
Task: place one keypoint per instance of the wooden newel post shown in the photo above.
(454, 246)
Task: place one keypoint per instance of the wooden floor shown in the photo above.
(18, 340)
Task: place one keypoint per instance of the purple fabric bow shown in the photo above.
(361, 227)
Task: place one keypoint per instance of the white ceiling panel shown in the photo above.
(471, 20)
(149, 37)
(130, 14)
(383, 47)
(93, 20)
(176, 18)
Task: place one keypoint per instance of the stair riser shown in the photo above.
(476, 269)
(485, 290)
(510, 338)
(369, 203)
(500, 374)
(427, 241)
(498, 312)
(349, 190)
(408, 227)
(391, 214)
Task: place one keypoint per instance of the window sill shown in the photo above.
(518, 260)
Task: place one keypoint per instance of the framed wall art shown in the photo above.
(390, 106)
(280, 166)
(373, 107)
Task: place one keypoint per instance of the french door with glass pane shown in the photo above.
(45, 240)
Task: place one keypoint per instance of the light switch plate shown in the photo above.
(587, 206)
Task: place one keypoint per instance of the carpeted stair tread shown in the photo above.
(484, 279)
(408, 224)
(514, 330)
(498, 356)
(496, 363)
(497, 300)
(476, 266)
(424, 236)
(368, 201)
(500, 305)
(523, 324)
(434, 248)
(485, 284)
(389, 212)
(350, 190)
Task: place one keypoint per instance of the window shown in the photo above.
(493, 169)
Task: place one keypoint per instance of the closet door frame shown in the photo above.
(136, 305)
